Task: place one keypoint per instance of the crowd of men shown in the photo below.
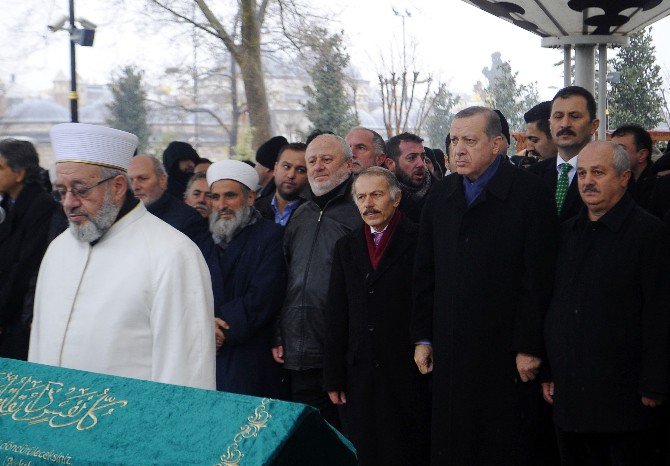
(460, 308)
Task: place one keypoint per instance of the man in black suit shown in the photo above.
(572, 122)
(368, 359)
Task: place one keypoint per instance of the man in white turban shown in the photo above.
(121, 292)
(249, 280)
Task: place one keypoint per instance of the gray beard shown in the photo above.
(319, 189)
(97, 225)
(226, 229)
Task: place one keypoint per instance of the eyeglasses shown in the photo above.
(80, 193)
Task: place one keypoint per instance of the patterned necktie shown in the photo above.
(377, 237)
(562, 186)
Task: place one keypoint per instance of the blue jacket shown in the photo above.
(249, 283)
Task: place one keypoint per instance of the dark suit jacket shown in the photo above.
(368, 352)
(546, 169)
(184, 218)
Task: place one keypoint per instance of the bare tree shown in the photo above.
(242, 37)
(406, 100)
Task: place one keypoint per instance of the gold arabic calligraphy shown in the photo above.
(26, 399)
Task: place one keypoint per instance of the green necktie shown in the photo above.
(562, 186)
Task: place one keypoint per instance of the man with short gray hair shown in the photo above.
(368, 365)
(327, 214)
(482, 282)
(367, 147)
(608, 326)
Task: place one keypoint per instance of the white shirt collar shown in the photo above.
(373, 230)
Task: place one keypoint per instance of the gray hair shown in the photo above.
(109, 172)
(346, 150)
(378, 143)
(159, 169)
(193, 179)
(391, 180)
(493, 125)
(620, 161)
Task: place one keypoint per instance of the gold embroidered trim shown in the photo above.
(88, 162)
(234, 454)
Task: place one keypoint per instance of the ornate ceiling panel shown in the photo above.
(560, 18)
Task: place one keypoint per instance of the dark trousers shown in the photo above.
(608, 449)
(307, 387)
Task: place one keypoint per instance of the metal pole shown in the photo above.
(196, 119)
(585, 66)
(602, 91)
(567, 65)
(73, 96)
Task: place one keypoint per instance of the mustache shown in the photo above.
(76, 211)
(226, 210)
(590, 188)
(201, 205)
(371, 210)
(565, 131)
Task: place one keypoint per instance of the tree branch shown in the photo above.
(185, 18)
(219, 28)
(194, 110)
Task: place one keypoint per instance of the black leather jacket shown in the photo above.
(309, 244)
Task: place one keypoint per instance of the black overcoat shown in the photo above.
(23, 241)
(482, 283)
(607, 329)
(368, 352)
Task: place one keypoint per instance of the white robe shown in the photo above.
(136, 304)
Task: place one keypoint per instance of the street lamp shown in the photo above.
(83, 36)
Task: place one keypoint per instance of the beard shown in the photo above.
(98, 224)
(407, 179)
(225, 229)
(323, 187)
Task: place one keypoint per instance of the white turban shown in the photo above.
(97, 145)
(233, 170)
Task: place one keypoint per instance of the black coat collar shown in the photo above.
(403, 238)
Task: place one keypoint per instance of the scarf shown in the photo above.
(416, 193)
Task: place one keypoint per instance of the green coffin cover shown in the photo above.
(50, 415)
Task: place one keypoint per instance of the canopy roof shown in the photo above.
(561, 18)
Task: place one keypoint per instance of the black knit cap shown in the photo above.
(504, 124)
(267, 154)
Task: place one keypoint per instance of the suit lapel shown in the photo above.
(399, 242)
(359, 249)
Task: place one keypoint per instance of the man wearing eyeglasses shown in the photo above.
(122, 292)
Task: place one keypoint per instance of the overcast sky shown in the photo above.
(453, 40)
